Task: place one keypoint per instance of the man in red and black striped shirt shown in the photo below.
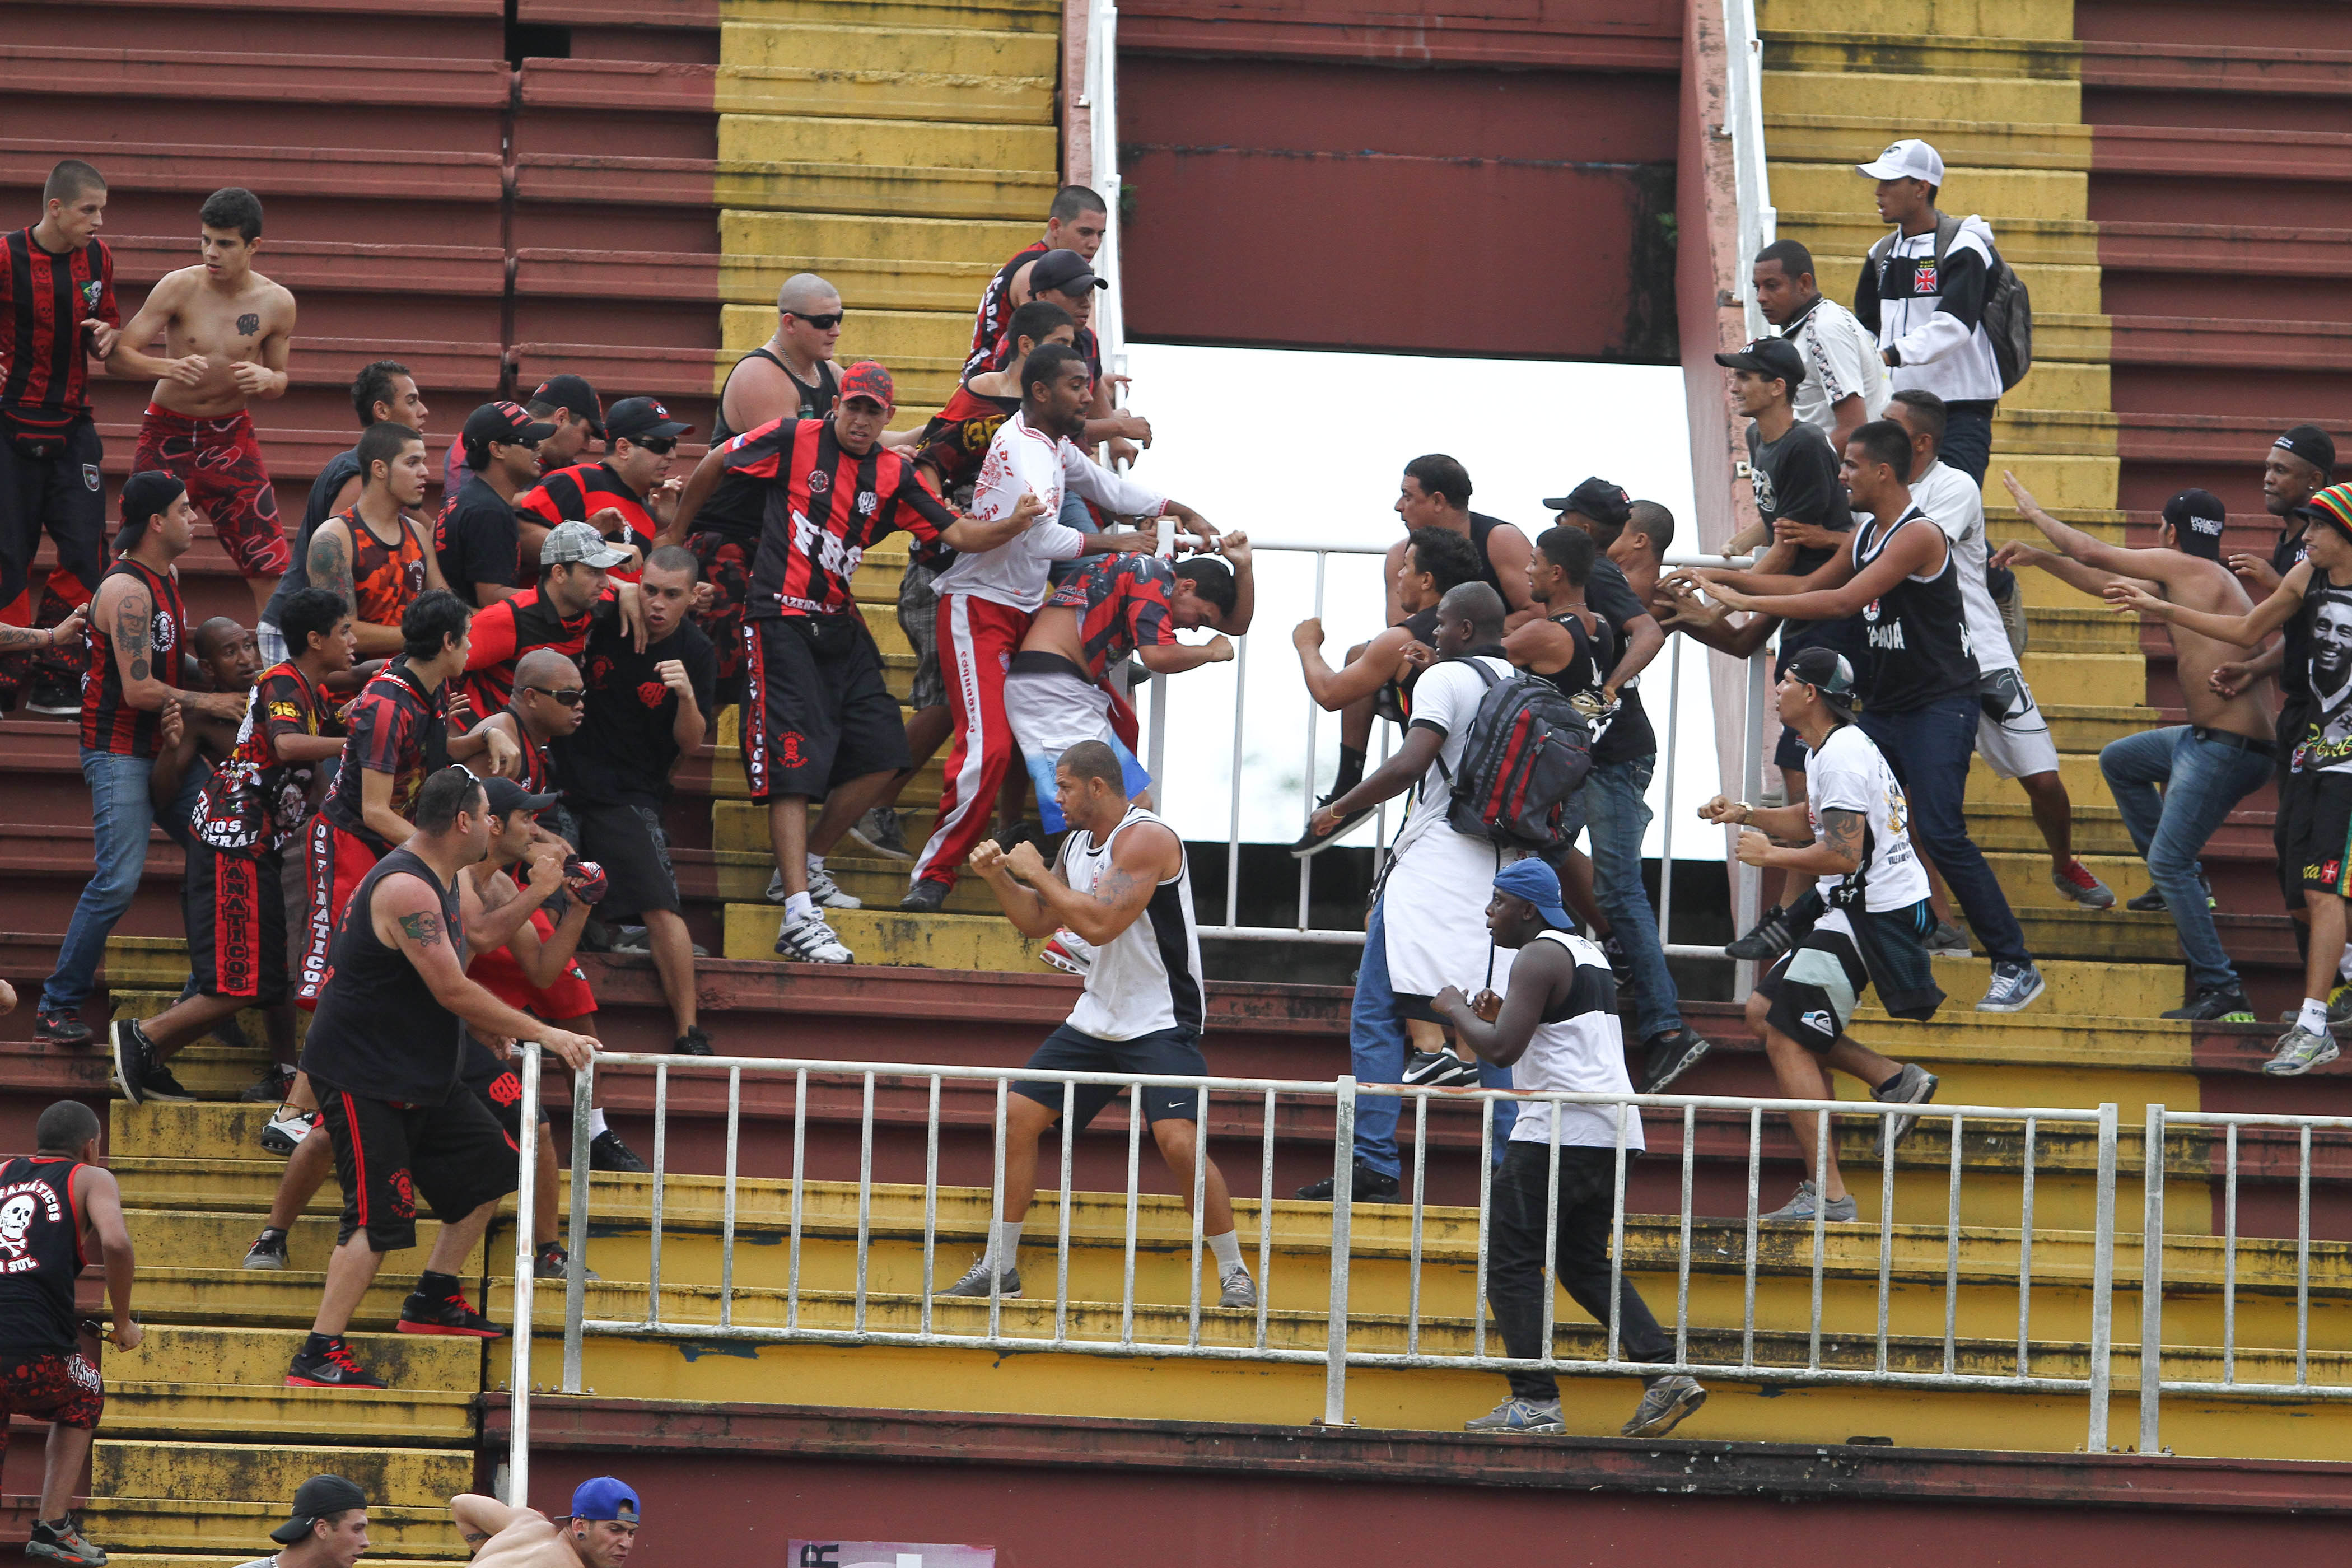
(819, 719)
(57, 308)
(1076, 221)
(627, 496)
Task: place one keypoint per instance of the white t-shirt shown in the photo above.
(1447, 696)
(1584, 1053)
(1847, 773)
(1953, 502)
(1434, 895)
(1842, 361)
(1024, 461)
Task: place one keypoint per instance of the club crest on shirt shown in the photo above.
(163, 636)
(92, 292)
(89, 479)
(1923, 281)
(819, 481)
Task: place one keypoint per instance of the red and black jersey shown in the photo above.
(1124, 602)
(1086, 343)
(41, 1256)
(256, 800)
(499, 637)
(957, 437)
(385, 578)
(995, 312)
(44, 300)
(535, 775)
(396, 726)
(578, 493)
(109, 723)
(823, 509)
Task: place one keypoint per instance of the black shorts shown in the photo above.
(63, 496)
(1175, 1053)
(1816, 986)
(2316, 832)
(819, 712)
(497, 1085)
(629, 842)
(454, 1154)
(236, 909)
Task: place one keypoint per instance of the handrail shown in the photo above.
(1744, 122)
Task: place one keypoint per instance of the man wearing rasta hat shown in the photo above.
(599, 1533)
(328, 1526)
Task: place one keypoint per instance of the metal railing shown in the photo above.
(1744, 124)
(875, 1297)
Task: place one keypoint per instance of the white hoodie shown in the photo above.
(1933, 317)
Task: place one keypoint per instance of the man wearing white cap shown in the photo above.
(1922, 293)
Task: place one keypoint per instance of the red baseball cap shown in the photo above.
(867, 379)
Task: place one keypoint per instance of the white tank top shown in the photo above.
(1147, 977)
(1581, 1050)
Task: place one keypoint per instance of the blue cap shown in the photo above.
(606, 1497)
(1533, 880)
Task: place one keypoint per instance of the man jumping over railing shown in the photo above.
(602, 1529)
(1124, 887)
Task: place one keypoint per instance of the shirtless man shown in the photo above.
(376, 555)
(2204, 767)
(599, 1533)
(226, 329)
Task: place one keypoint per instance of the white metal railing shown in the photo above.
(1824, 1343)
(1744, 124)
(1102, 101)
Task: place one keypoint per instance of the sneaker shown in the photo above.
(927, 897)
(2299, 1051)
(267, 1251)
(1768, 939)
(2014, 986)
(1948, 941)
(452, 1314)
(2152, 901)
(1309, 844)
(270, 1088)
(1664, 1404)
(60, 1030)
(881, 831)
(1237, 1289)
(1912, 1086)
(811, 941)
(975, 1283)
(608, 1153)
(693, 1043)
(2219, 1005)
(2339, 1003)
(2076, 883)
(286, 1128)
(331, 1367)
(59, 698)
(551, 1262)
(822, 891)
(1518, 1416)
(633, 939)
(1802, 1206)
(1620, 963)
(161, 1085)
(1369, 1186)
(134, 1058)
(1439, 1069)
(63, 1541)
(1669, 1056)
(1068, 952)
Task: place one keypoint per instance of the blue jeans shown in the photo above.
(1929, 748)
(1616, 815)
(121, 815)
(2202, 781)
(1376, 1051)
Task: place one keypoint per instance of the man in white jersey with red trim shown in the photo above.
(1125, 889)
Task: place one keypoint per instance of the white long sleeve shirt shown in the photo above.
(1022, 460)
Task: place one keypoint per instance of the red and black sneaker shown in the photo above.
(329, 1363)
(450, 1314)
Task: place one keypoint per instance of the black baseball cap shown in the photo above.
(2311, 444)
(641, 419)
(321, 1495)
(1826, 671)
(145, 495)
(1768, 356)
(506, 796)
(1605, 503)
(2197, 518)
(1062, 273)
(507, 424)
(573, 391)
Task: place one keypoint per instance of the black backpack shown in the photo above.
(1528, 751)
(2008, 308)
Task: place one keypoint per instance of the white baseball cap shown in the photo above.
(1910, 159)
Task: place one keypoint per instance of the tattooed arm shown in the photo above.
(406, 914)
(1837, 853)
(1140, 859)
(128, 612)
(330, 565)
(65, 631)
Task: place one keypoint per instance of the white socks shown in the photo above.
(800, 907)
(1004, 1252)
(1228, 1248)
(596, 1121)
(2313, 1016)
(815, 864)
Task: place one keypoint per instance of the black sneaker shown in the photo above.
(608, 1153)
(1369, 1186)
(1669, 1056)
(2216, 1005)
(452, 1314)
(270, 1088)
(61, 1541)
(1310, 843)
(2152, 901)
(1620, 963)
(693, 1043)
(1768, 939)
(134, 1058)
(60, 1030)
(161, 1085)
(54, 695)
(1439, 1069)
(551, 1262)
(267, 1251)
(334, 1366)
(927, 897)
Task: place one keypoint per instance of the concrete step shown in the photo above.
(887, 936)
(1844, 234)
(1976, 145)
(1002, 16)
(841, 164)
(954, 74)
(1898, 98)
(2049, 20)
(154, 1528)
(1862, 52)
(270, 1472)
(1996, 194)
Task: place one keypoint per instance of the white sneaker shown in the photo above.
(1068, 952)
(287, 1129)
(811, 941)
(822, 891)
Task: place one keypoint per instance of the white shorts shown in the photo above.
(1050, 711)
(2017, 744)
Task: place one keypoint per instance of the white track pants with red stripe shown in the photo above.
(978, 638)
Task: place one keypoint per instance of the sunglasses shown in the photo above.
(659, 445)
(570, 696)
(821, 323)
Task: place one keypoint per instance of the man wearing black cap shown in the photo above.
(328, 1526)
(1066, 279)
(2202, 768)
(625, 496)
(792, 376)
(2300, 464)
(1854, 830)
(599, 1532)
(480, 538)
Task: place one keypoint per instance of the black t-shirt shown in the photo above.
(1612, 599)
(623, 750)
(478, 541)
(2294, 673)
(1796, 477)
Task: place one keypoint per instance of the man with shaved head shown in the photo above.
(792, 376)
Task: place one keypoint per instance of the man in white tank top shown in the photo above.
(1124, 889)
(1557, 1030)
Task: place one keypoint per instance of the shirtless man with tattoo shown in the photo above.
(226, 330)
(376, 554)
(598, 1534)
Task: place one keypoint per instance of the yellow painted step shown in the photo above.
(1851, 229)
(257, 1358)
(1996, 194)
(2078, 481)
(223, 1527)
(2079, 773)
(1851, 140)
(1896, 99)
(1001, 16)
(1863, 53)
(401, 1477)
(2045, 19)
(888, 937)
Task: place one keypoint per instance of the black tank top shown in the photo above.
(40, 1256)
(1915, 636)
(379, 1030)
(815, 401)
(1395, 700)
(1594, 654)
(1481, 526)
